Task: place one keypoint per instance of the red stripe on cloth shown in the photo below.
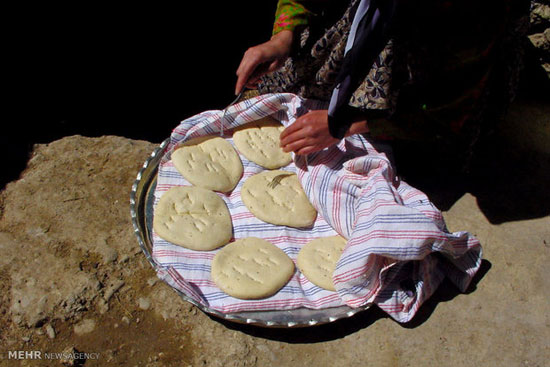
(279, 304)
(184, 286)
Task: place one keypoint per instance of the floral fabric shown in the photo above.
(435, 77)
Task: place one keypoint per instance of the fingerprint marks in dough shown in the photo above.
(210, 162)
(193, 217)
(284, 204)
(318, 258)
(251, 268)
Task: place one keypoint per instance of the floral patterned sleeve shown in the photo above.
(289, 15)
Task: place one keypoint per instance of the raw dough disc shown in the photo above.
(210, 162)
(317, 260)
(251, 268)
(193, 217)
(285, 204)
(259, 142)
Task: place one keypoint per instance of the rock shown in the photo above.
(112, 288)
(124, 258)
(103, 306)
(144, 303)
(50, 331)
(84, 327)
(34, 299)
(67, 214)
(108, 253)
(480, 328)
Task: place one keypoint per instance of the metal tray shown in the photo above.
(141, 207)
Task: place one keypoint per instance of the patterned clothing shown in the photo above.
(289, 15)
(449, 68)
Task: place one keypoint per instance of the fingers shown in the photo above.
(300, 138)
(263, 58)
(296, 126)
(302, 146)
(294, 136)
(249, 63)
(308, 134)
(257, 61)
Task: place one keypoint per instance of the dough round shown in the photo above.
(193, 217)
(210, 162)
(251, 268)
(317, 260)
(285, 204)
(259, 142)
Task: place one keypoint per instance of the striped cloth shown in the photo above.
(398, 250)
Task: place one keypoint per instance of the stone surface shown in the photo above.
(84, 327)
(71, 206)
(50, 331)
(144, 303)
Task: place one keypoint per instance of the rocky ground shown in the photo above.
(73, 277)
(73, 280)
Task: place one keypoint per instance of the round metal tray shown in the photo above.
(141, 206)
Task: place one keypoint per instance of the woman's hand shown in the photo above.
(310, 133)
(262, 59)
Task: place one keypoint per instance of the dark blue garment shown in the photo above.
(370, 32)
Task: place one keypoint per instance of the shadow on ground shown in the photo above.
(313, 334)
(446, 292)
(343, 327)
(509, 183)
(509, 171)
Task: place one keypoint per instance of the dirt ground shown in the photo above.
(74, 280)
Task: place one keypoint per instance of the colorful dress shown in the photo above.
(448, 71)
(289, 15)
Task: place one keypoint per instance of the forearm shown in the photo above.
(359, 127)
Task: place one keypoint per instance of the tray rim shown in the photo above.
(144, 181)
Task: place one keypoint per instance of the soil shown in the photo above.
(73, 277)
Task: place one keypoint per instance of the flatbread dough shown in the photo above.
(317, 260)
(251, 268)
(285, 204)
(259, 142)
(210, 162)
(193, 217)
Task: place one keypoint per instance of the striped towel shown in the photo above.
(398, 250)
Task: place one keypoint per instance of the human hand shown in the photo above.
(310, 133)
(262, 59)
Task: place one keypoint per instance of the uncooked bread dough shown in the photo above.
(317, 260)
(259, 142)
(251, 268)
(209, 162)
(285, 204)
(193, 217)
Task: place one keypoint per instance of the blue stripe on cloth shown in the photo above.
(349, 182)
